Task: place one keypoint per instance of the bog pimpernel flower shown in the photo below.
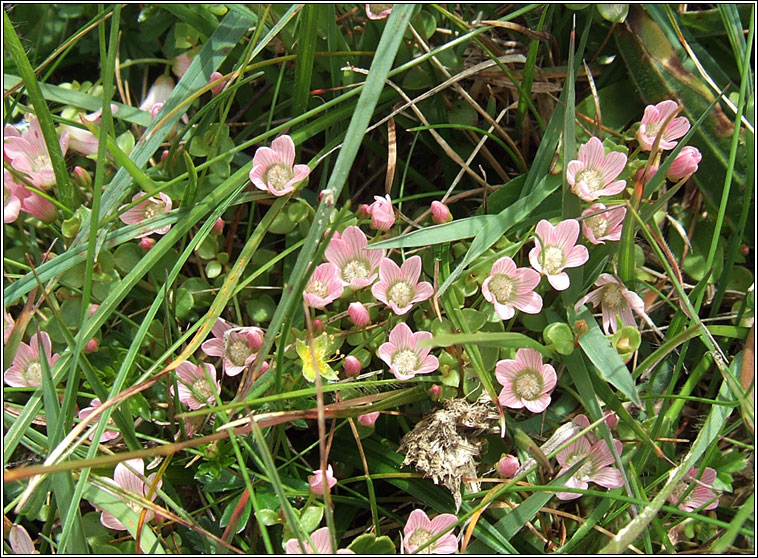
(403, 355)
(653, 119)
(110, 432)
(193, 386)
(685, 164)
(556, 249)
(378, 11)
(11, 199)
(526, 381)
(158, 94)
(594, 174)
(83, 141)
(20, 541)
(28, 201)
(358, 314)
(357, 266)
(700, 496)
(382, 214)
(28, 153)
(419, 530)
(321, 544)
(128, 476)
(599, 227)
(324, 286)
(508, 465)
(614, 300)
(509, 288)
(398, 287)
(274, 168)
(440, 213)
(236, 345)
(316, 481)
(596, 469)
(26, 370)
(149, 207)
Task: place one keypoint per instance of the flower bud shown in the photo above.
(146, 243)
(318, 327)
(91, 346)
(218, 226)
(358, 314)
(440, 213)
(364, 211)
(580, 327)
(82, 178)
(507, 466)
(435, 392)
(219, 87)
(382, 214)
(92, 309)
(369, 418)
(647, 175)
(316, 481)
(352, 366)
(685, 164)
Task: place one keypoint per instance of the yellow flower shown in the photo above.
(321, 350)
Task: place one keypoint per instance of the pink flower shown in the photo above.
(219, 87)
(358, 314)
(236, 345)
(364, 210)
(611, 419)
(26, 370)
(274, 167)
(20, 541)
(11, 198)
(419, 530)
(321, 542)
(195, 390)
(440, 213)
(382, 214)
(596, 469)
(508, 465)
(316, 481)
(324, 286)
(147, 209)
(181, 63)
(28, 153)
(158, 93)
(403, 355)
(615, 300)
(378, 11)
(369, 418)
(218, 226)
(398, 287)
(594, 174)
(8, 325)
(37, 206)
(653, 119)
(600, 227)
(91, 346)
(645, 176)
(128, 477)
(556, 250)
(685, 164)
(509, 287)
(352, 366)
(110, 433)
(83, 141)
(526, 381)
(700, 496)
(357, 266)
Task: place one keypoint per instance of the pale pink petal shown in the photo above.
(530, 303)
(417, 520)
(608, 477)
(613, 166)
(537, 405)
(567, 233)
(508, 399)
(549, 377)
(559, 282)
(578, 255)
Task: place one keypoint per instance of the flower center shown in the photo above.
(598, 224)
(652, 129)
(152, 209)
(33, 373)
(502, 287)
(528, 385)
(319, 288)
(584, 473)
(278, 175)
(237, 350)
(406, 361)
(401, 293)
(592, 177)
(379, 8)
(554, 260)
(611, 296)
(40, 162)
(355, 269)
(203, 389)
(420, 537)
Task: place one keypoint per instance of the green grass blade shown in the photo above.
(493, 339)
(306, 50)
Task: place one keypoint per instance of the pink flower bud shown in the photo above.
(382, 214)
(352, 366)
(164, 155)
(92, 309)
(91, 346)
(218, 226)
(364, 211)
(685, 164)
(146, 243)
(440, 213)
(648, 175)
(316, 481)
(82, 178)
(507, 466)
(369, 418)
(611, 419)
(220, 85)
(155, 110)
(358, 314)
(318, 326)
(435, 392)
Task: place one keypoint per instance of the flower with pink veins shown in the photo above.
(28, 153)
(110, 432)
(382, 214)
(202, 391)
(653, 119)
(11, 198)
(685, 164)
(398, 287)
(510, 288)
(419, 530)
(316, 480)
(368, 419)
(321, 542)
(594, 173)
(556, 249)
(274, 169)
(26, 370)
(129, 477)
(149, 207)
(614, 300)
(403, 355)
(20, 541)
(358, 314)
(700, 496)
(526, 381)
(83, 141)
(8, 325)
(508, 465)
(599, 227)
(236, 345)
(324, 286)
(597, 468)
(36, 206)
(378, 11)
(158, 93)
(357, 266)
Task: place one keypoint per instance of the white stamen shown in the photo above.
(355, 269)
(401, 293)
(528, 385)
(277, 176)
(406, 361)
(554, 260)
(502, 287)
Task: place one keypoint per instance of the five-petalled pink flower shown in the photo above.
(317, 479)
(148, 208)
(274, 169)
(614, 300)
(356, 264)
(597, 468)
(382, 214)
(599, 225)
(324, 286)
(556, 249)
(653, 119)
(110, 432)
(28, 154)
(129, 476)
(701, 495)
(509, 288)
(403, 355)
(26, 369)
(419, 530)
(526, 381)
(398, 286)
(193, 385)
(594, 173)
(236, 345)
(321, 544)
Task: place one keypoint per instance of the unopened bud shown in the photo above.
(216, 89)
(82, 178)
(508, 465)
(358, 314)
(580, 327)
(645, 177)
(368, 419)
(146, 243)
(352, 366)
(435, 392)
(218, 226)
(364, 211)
(92, 309)
(91, 346)
(440, 213)
(318, 326)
